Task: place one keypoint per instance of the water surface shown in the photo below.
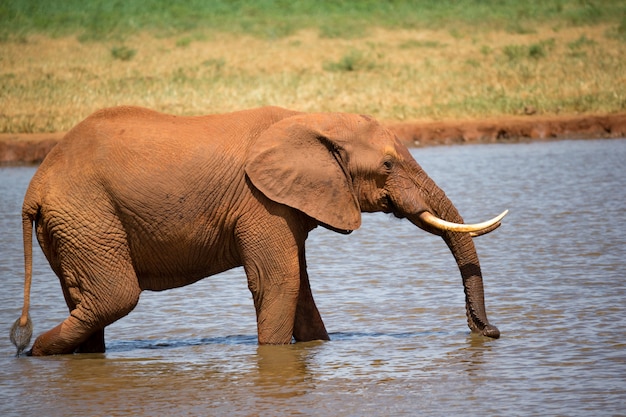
(391, 297)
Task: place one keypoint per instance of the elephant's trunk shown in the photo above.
(464, 252)
(461, 245)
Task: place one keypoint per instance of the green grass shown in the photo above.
(106, 19)
(354, 60)
(123, 53)
(536, 50)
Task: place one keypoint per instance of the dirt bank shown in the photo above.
(511, 129)
(26, 148)
(19, 148)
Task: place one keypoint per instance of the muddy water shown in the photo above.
(391, 297)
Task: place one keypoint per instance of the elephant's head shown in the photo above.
(335, 166)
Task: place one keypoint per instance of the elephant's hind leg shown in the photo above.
(99, 287)
(83, 330)
(93, 344)
(64, 338)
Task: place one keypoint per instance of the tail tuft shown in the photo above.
(21, 334)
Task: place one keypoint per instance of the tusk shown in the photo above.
(485, 231)
(438, 223)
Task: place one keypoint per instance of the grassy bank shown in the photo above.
(394, 60)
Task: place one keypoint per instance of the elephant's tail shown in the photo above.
(22, 329)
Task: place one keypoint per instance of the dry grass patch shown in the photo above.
(50, 84)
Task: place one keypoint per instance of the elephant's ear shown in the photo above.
(301, 162)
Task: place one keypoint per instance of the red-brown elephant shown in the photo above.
(134, 200)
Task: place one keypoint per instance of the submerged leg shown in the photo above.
(308, 324)
(94, 343)
(275, 295)
(83, 330)
(99, 285)
(270, 248)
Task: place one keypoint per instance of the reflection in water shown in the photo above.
(471, 356)
(392, 300)
(283, 370)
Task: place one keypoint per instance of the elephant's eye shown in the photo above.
(388, 164)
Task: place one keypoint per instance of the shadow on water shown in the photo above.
(349, 336)
(251, 340)
(154, 344)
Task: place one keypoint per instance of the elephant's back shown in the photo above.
(128, 134)
(142, 150)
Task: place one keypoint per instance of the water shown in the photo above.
(392, 299)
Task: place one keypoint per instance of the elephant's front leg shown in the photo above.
(275, 294)
(308, 323)
(271, 262)
(283, 300)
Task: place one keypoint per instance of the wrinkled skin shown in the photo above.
(134, 200)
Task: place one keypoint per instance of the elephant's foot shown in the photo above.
(53, 342)
(71, 336)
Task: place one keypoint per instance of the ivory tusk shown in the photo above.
(485, 231)
(440, 224)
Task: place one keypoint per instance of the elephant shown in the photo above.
(132, 199)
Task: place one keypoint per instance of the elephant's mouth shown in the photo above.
(388, 207)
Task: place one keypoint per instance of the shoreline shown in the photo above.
(31, 148)
(511, 129)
